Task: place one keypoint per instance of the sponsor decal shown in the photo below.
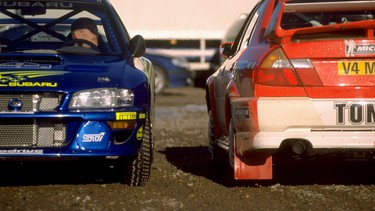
(352, 48)
(142, 116)
(22, 151)
(126, 115)
(19, 78)
(32, 84)
(355, 113)
(139, 135)
(241, 112)
(13, 4)
(93, 137)
(44, 37)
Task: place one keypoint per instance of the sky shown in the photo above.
(180, 18)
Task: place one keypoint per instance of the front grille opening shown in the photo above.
(32, 133)
(121, 137)
(37, 102)
(50, 134)
(17, 133)
(47, 101)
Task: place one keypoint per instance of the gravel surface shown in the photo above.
(182, 176)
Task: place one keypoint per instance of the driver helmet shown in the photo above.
(84, 23)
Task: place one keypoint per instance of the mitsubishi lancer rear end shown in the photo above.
(323, 92)
(303, 87)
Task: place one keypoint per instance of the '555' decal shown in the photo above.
(356, 113)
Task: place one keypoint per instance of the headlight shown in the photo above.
(102, 98)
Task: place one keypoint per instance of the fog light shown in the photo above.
(129, 124)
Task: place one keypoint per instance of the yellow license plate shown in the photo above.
(356, 68)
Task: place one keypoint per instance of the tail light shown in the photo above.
(277, 70)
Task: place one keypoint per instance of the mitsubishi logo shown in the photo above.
(15, 104)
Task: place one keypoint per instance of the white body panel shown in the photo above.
(320, 122)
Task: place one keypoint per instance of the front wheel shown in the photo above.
(137, 170)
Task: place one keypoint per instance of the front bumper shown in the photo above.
(72, 134)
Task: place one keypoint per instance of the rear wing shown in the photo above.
(298, 17)
(325, 6)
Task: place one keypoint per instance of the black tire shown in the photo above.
(137, 171)
(161, 80)
(231, 145)
(218, 155)
(211, 135)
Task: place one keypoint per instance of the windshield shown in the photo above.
(29, 26)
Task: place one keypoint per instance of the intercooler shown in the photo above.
(31, 132)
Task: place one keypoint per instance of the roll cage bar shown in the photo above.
(38, 28)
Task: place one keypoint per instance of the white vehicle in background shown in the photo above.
(186, 28)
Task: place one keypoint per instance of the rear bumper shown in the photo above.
(311, 126)
(309, 143)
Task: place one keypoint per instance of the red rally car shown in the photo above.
(298, 82)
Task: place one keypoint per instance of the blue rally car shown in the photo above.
(73, 84)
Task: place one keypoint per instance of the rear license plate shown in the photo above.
(356, 68)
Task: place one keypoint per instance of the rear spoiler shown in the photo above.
(326, 6)
(274, 31)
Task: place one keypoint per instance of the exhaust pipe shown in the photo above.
(299, 147)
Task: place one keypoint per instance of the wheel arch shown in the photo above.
(231, 93)
(209, 93)
(210, 102)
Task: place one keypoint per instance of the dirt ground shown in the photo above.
(183, 178)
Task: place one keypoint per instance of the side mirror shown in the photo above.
(137, 46)
(226, 49)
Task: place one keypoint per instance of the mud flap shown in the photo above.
(250, 166)
(243, 171)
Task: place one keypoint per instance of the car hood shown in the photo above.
(60, 73)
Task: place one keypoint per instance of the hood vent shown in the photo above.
(29, 61)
